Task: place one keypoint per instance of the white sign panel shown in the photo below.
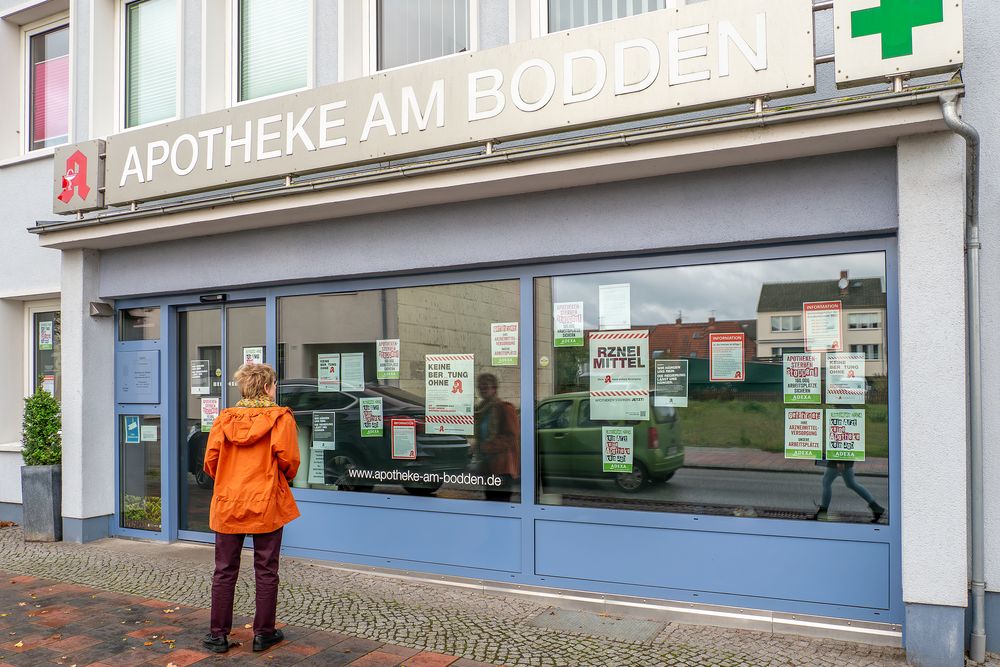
(845, 378)
(450, 393)
(878, 39)
(352, 374)
(619, 375)
(614, 307)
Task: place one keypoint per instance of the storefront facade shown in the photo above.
(705, 325)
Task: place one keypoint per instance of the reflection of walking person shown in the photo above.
(498, 438)
(845, 469)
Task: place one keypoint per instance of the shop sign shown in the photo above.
(695, 56)
(79, 177)
(619, 375)
(878, 39)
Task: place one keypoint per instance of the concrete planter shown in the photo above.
(41, 498)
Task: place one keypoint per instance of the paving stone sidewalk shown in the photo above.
(418, 616)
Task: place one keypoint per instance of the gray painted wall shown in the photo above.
(799, 198)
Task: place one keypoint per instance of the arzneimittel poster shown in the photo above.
(619, 375)
(450, 393)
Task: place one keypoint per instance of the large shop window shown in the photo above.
(410, 31)
(410, 390)
(48, 114)
(661, 390)
(273, 47)
(47, 357)
(150, 61)
(565, 14)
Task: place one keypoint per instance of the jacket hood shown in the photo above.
(246, 426)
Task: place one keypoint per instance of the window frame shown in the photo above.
(540, 16)
(121, 53)
(28, 31)
(878, 324)
(233, 56)
(32, 308)
(370, 30)
(783, 330)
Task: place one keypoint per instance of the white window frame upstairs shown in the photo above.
(233, 56)
(27, 32)
(540, 16)
(370, 31)
(121, 35)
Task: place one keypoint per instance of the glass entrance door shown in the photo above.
(213, 343)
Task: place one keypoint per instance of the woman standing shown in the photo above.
(252, 454)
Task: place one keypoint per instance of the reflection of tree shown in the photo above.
(571, 369)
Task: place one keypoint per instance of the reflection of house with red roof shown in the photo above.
(689, 340)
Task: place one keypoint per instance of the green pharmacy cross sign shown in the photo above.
(895, 21)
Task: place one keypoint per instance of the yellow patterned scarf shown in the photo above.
(259, 402)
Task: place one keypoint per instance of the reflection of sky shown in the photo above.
(726, 291)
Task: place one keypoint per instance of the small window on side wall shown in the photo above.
(273, 51)
(48, 82)
(410, 31)
(566, 14)
(150, 61)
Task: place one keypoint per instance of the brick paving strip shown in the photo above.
(126, 602)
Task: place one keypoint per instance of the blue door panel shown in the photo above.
(466, 540)
(838, 572)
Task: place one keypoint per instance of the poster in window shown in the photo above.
(725, 351)
(619, 375)
(821, 324)
(209, 412)
(201, 376)
(317, 466)
(324, 434)
(801, 377)
(614, 307)
(387, 359)
(670, 383)
(352, 371)
(45, 334)
(328, 372)
(618, 445)
(148, 433)
(568, 324)
(253, 355)
(804, 433)
(49, 384)
(132, 431)
(450, 393)
(371, 417)
(845, 378)
(504, 343)
(845, 435)
(404, 438)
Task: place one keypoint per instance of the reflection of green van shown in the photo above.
(569, 443)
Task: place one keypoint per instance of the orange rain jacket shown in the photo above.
(252, 454)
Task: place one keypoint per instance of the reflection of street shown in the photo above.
(729, 492)
(199, 500)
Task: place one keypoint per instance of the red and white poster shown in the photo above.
(450, 393)
(725, 357)
(619, 375)
(822, 326)
(404, 438)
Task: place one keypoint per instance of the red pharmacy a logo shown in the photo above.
(74, 179)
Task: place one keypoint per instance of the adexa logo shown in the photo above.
(74, 180)
(895, 20)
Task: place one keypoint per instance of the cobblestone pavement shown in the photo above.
(442, 619)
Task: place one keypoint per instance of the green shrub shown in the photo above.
(142, 509)
(41, 434)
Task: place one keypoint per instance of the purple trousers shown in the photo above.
(228, 548)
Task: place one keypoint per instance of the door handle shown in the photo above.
(559, 436)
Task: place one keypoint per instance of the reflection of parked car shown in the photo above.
(569, 443)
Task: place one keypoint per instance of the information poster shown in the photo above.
(387, 359)
(201, 376)
(568, 324)
(45, 328)
(801, 378)
(614, 307)
(328, 372)
(371, 417)
(504, 343)
(352, 371)
(49, 384)
(725, 351)
(404, 438)
(450, 393)
(209, 411)
(670, 383)
(324, 435)
(845, 435)
(821, 323)
(148, 433)
(619, 375)
(132, 430)
(845, 378)
(804, 434)
(317, 466)
(618, 445)
(253, 355)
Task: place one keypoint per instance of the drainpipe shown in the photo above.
(949, 105)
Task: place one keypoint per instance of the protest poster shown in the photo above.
(567, 324)
(371, 417)
(619, 375)
(324, 433)
(845, 435)
(253, 355)
(209, 411)
(449, 393)
(201, 380)
(845, 378)
(504, 343)
(801, 377)
(328, 372)
(618, 445)
(670, 383)
(804, 433)
(387, 359)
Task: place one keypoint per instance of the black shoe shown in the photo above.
(877, 512)
(216, 644)
(820, 514)
(264, 642)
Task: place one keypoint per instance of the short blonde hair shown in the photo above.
(253, 379)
